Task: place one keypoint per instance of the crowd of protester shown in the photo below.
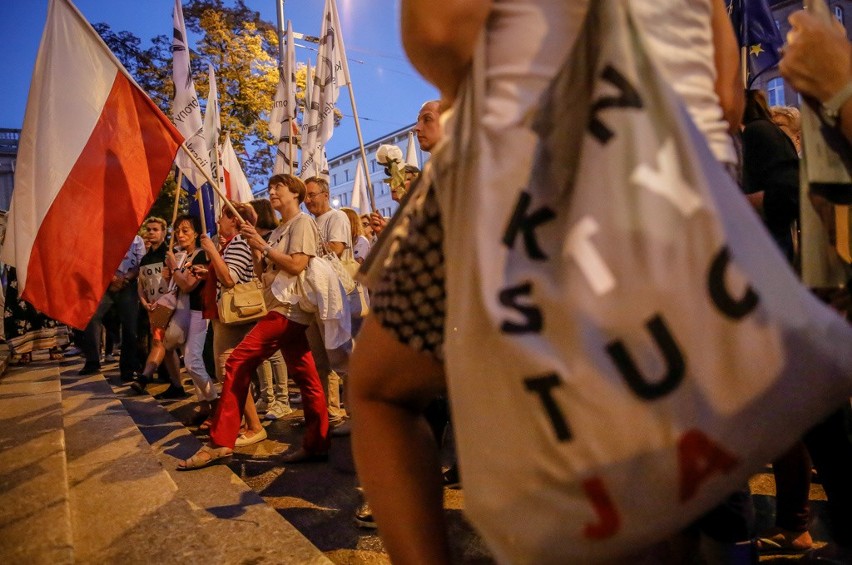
(161, 305)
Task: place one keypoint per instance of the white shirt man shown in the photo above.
(336, 234)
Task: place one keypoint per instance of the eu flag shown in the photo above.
(209, 205)
(757, 33)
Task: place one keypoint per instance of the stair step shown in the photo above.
(208, 515)
(35, 525)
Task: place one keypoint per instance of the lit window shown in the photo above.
(775, 92)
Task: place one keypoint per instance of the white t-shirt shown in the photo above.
(529, 40)
(294, 236)
(679, 35)
(334, 228)
(361, 248)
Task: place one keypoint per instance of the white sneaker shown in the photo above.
(243, 440)
(277, 410)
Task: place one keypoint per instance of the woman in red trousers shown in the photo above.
(278, 263)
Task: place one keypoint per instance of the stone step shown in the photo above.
(35, 515)
(208, 515)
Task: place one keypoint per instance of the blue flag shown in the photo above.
(194, 208)
(757, 33)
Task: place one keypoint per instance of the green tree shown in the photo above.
(243, 49)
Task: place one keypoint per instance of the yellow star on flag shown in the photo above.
(756, 50)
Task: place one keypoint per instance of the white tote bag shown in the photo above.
(624, 343)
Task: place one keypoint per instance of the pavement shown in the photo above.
(87, 475)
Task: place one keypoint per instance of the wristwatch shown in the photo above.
(830, 109)
(266, 249)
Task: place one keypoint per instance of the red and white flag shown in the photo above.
(93, 155)
(237, 186)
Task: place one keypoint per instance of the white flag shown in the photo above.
(359, 200)
(186, 111)
(212, 129)
(332, 72)
(305, 126)
(411, 152)
(282, 120)
(235, 183)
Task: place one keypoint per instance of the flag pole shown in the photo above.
(199, 194)
(175, 210)
(361, 144)
(213, 183)
(345, 64)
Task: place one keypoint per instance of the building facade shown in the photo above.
(9, 139)
(778, 92)
(342, 169)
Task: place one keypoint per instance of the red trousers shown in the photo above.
(270, 334)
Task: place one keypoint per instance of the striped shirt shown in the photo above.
(237, 257)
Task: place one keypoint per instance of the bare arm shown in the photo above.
(440, 38)
(729, 79)
(395, 454)
(291, 264)
(223, 273)
(336, 247)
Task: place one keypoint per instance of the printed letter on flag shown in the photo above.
(282, 119)
(186, 111)
(331, 74)
(212, 129)
(80, 195)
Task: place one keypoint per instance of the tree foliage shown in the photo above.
(243, 49)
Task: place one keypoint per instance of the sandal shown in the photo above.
(780, 542)
(206, 424)
(205, 457)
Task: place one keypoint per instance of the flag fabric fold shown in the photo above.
(411, 151)
(332, 72)
(80, 195)
(757, 34)
(282, 119)
(212, 130)
(186, 110)
(235, 182)
(186, 114)
(360, 201)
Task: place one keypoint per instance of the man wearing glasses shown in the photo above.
(336, 235)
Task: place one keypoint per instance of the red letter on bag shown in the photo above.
(698, 458)
(609, 522)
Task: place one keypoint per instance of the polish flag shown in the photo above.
(93, 154)
(237, 186)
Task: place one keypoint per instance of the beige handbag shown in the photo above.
(242, 303)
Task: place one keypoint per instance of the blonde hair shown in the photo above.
(354, 222)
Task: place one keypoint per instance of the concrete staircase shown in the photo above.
(87, 476)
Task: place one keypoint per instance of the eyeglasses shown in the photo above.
(312, 195)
